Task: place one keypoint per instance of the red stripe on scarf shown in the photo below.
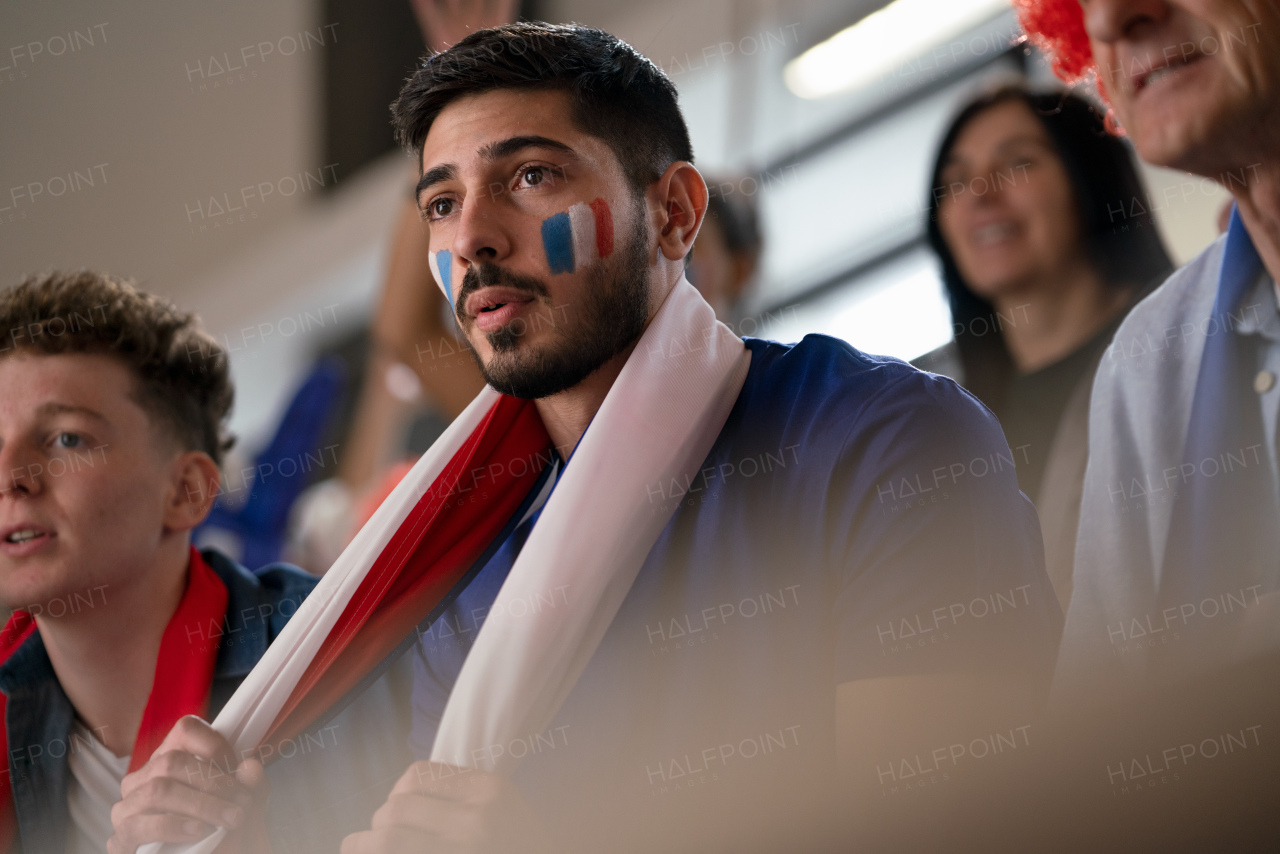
(443, 535)
(184, 674)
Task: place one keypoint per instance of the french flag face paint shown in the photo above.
(578, 236)
(442, 269)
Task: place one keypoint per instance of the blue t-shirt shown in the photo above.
(855, 518)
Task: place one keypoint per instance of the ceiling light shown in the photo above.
(884, 40)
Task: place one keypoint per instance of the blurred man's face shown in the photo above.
(543, 248)
(84, 479)
(1195, 83)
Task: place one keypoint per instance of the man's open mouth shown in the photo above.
(24, 535)
(1175, 65)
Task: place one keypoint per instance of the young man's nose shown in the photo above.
(21, 473)
(482, 236)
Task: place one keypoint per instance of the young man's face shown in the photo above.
(543, 246)
(1195, 83)
(85, 480)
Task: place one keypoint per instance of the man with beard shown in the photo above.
(708, 576)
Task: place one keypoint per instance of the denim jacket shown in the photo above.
(39, 716)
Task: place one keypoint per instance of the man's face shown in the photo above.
(84, 477)
(543, 244)
(1194, 82)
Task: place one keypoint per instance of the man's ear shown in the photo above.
(193, 487)
(679, 202)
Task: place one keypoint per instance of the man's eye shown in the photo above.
(69, 440)
(440, 207)
(533, 176)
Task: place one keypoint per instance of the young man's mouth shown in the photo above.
(24, 539)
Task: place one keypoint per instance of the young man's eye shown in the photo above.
(439, 207)
(533, 176)
(69, 440)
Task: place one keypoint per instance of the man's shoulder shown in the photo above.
(259, 605)
(830, 376)
(822, 363)
(1155, 355)
(275, 591)
(1187, 296)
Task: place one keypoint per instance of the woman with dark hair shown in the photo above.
(1046, 240)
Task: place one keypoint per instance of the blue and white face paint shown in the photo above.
(442, 269)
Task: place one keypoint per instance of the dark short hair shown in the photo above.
(1115, 215)
(182, 374)
(618, 95)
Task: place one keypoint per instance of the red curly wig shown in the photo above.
(1056, 27)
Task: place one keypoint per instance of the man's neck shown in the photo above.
(1259, 204)
(105, 657)
(1049, 323)
(567, 414)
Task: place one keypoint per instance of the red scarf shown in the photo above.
(442, 537)
(184, 674)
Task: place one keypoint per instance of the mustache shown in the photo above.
(487, 275)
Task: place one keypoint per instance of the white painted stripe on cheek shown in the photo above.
(582, 223)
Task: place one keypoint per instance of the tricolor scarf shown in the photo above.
(658, 423)
(184, 675)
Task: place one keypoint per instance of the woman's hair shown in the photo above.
(1115, 222)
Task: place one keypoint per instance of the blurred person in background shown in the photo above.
(418, 365)
(1046, 240)
(1183, 433)
(726, 254)
(1171, 637)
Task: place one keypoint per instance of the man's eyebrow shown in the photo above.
(435, 175)
(508, 147)
(51, 409)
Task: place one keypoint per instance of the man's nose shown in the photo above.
(21, 472)
(1114, 20)
(481, 236)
